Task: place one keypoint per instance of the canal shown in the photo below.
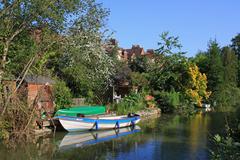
(166, 138)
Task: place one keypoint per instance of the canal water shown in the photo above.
(169, 137)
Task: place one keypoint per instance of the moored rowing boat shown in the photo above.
(97, 122)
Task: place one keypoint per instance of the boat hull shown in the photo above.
(80, 124)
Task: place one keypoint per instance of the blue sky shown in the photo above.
(194, 21)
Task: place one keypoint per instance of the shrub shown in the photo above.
(227, 95)
(62, 95)
(4, 134)
(167, 101)
(139, 79)
(131, 103)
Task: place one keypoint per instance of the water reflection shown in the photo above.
(80, 139)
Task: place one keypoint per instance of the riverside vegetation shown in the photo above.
(71, 48)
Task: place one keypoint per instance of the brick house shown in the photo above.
(136, 50)
(128, 54)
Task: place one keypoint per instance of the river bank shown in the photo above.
(149, 113)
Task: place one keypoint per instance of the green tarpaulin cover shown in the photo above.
(85, 110)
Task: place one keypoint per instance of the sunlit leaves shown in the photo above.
(197, 88)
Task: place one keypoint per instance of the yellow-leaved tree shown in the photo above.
(197, 85)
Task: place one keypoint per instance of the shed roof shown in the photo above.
(38, 79)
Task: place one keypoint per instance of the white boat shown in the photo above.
(81, 139)
(97, 122)
(206, 105)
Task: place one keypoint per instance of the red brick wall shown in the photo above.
(32, 92)
(45, 99)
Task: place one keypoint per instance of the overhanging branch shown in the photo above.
(6, 9)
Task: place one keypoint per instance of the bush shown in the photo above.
(4, 134)
(227, 95)
(62, 95)
(227, 146)
(131, 103)
(139, 79)
(167, 101)
(17, 123)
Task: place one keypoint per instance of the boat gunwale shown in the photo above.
(103, 121)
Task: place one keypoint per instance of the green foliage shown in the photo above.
(131, 103)
(139, 64)
(168, 67)
(20, 52)
(236, 45)
(16, 125)
(216, 71)
(168, 44)
(40, 68)
(236, 48)
(168, 74)
(167, 101)
(41, 29)
(62, 95)
(227, 147)
(139, 79)
(228, 95)
(122, 75)
(221, 67)
(201, 60)
(230, 64)
(4, 126)
(19, 21)
(86, 66)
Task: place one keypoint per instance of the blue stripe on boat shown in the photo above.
(100, 121)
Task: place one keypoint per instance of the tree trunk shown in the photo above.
(2, 71)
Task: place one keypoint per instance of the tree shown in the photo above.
(139, 64)
(236, 48)
(202, 61)
(230, 63)
(236, 45)
(139, 79)
(168, 44)
(20, 19)
(216, 70)
(196, 89)
(33, 30)
(18, 16)
(228, 93)
(87, 68)
(167, 73)
(167, 68)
